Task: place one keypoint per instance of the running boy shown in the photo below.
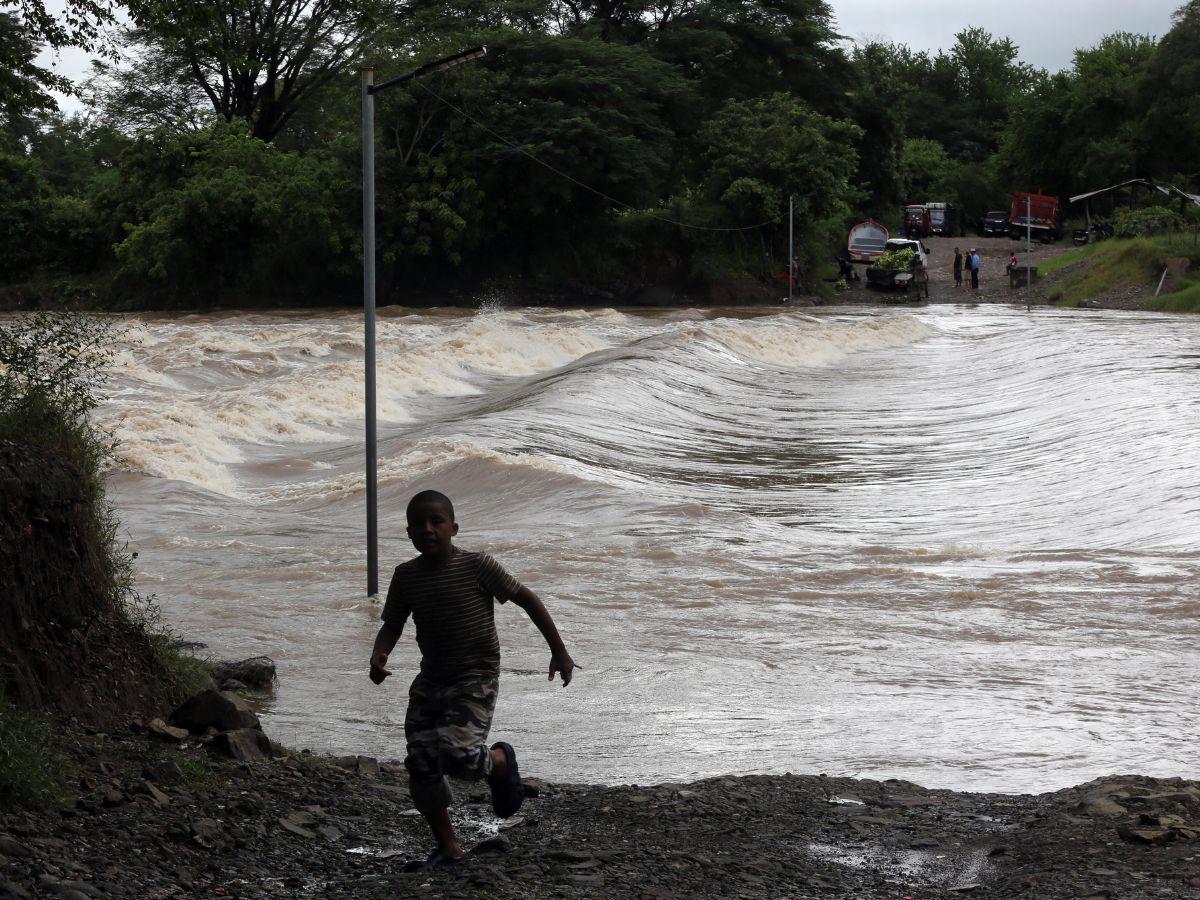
(448, 592)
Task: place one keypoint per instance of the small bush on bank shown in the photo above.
(29, 766)
(1150, 220)
(52, 369)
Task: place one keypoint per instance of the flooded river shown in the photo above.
(953, 545)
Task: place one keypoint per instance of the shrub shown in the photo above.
(51, 368)
(1145, 222)
(29, 766)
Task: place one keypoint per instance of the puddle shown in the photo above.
(470, 827)
(943, 868)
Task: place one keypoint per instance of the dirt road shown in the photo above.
(994, 253)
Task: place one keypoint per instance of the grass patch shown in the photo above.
(1184, 300)
(30, 767)
(1110, 265)
(1069, 258)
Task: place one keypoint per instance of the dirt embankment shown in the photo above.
(65, 643)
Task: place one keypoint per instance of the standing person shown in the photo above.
(974, 269)
(449, 593)
(958, 264)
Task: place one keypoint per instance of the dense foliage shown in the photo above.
(598, 144)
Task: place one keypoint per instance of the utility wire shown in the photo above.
(576, 181)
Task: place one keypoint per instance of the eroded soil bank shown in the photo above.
(154, 818)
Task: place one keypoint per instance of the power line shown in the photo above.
(577, 182)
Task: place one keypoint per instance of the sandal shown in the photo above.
(507, 791)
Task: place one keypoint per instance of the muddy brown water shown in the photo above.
(949, 544)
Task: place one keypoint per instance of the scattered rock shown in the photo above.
(10, 846)
(497, 844)
(246, 745)
(149, 789)
(258, 672)
(1102, 808)
(214, 709)
(161, 729)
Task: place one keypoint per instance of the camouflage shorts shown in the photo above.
(446, 729)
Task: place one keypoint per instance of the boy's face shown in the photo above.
(431, 529)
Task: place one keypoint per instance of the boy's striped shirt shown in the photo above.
(453, 611)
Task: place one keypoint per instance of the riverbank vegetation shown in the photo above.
(1130, 266)
(597, 149)
(76, 640)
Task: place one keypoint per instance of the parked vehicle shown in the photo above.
(995, 221)
(1039, 213)
(917, 223)
(866, 241)
(943, 218)
(902, 266)
(1098, 232)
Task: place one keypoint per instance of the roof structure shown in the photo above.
(1165, 189)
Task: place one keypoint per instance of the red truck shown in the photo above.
(917, 223)
(1041, 213)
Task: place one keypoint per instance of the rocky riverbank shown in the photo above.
(156, 814)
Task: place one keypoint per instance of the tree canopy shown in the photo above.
(600, 143)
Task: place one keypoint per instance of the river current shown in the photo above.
(953, 545)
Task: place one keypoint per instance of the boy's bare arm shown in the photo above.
(385, 642)
(560, 659)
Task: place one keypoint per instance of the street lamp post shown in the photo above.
(369, 90)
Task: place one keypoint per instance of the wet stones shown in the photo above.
(246, 745)
(220, 710)
(256, 673)
(161, 729)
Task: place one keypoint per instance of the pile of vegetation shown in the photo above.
(897, 260)
(595, 146)
(76, 641)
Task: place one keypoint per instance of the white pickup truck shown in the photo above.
(914, 275)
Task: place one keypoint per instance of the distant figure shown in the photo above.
(451, 595)
(958, 263)
(1012, 263)
(795, 271)
(974, 264)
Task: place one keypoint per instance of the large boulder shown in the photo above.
(258, 672)
(214, 709)
(246, 745)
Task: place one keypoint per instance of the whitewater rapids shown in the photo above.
(951, 545)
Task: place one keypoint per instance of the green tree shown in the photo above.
(23, 83)
(924, 166)
(22, 214)
(550, 136)
(257, 61)
(1170, 96)
(761, 152)
(223, 214)
(1079, 129)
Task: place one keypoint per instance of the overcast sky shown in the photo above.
(1047, 31)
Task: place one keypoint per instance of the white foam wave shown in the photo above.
(806, 342)
(410, 465)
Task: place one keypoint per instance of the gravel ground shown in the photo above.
(153, 818)
(994, 286)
